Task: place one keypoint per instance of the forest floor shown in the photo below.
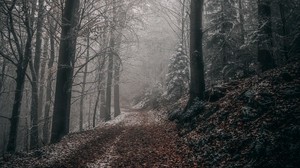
(134, 139)
(252, 122)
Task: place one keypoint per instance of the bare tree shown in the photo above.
(83, 90)
(110, 62)
(67, 49)
(35, 68)
(52, 32)
(22, 55)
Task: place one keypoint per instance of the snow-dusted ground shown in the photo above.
(111, 144)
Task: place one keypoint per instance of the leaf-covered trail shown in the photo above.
(134, 139)
(138, 139)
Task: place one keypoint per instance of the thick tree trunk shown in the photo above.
(22, 65)
(110, 64)
(42, 83)
(101, 82)
(35, 68)
(20, 81)
(265, 45)
(39, 35)
(197, 86)
(42, 78)
(109, 84)
(67, 50)
(12, 142)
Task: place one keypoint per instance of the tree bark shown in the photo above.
(183, 23)
(265, 45)
(100, 91)
(110, 64)
(46, 126)
(39, 35)
(197, 86)
(108, 87)
(42, 83)
(67, 49)
(121, 22)
(2, 75)
(47, 122)
(102, 99)
(12, 142)
(34, 116)
(242, 21)
(22, 65)
(84, 84)
(284, 30)
(117, 110)
(42, 78)
(35, 68)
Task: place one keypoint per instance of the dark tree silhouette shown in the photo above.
(265, 45)
(62, 103)
(197, 86)
(24, 56)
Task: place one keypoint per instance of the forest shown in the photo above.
(149, 83)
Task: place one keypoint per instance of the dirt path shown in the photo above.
(137, 139)
(134, 139)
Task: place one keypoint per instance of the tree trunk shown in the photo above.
(82, 96)
(102, 98)
(110, 64)
(242, 21)
(3, 64)
(42, 83)
(12, 142)
(95, 109)
(34, 116)
(39, 35)
(67, 50)
(100, 92)
(101, 82)
(117, 110)
(20, 81)
(2, 75)
(22, 65)
(197, 86)
(42, 79)
(182, 23)
(89, 117)
(284, 30)
(265, 45)
(109, 83)
(46, 126)
(35, 68)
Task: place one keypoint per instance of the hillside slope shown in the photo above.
(255, 124)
